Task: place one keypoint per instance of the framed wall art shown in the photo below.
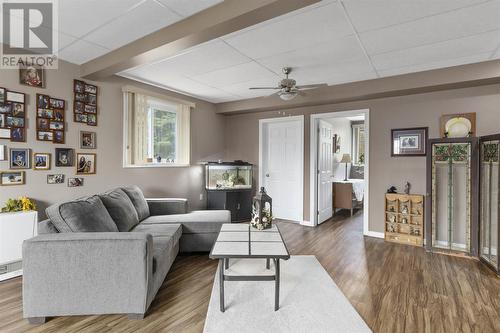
(32, 75)
(50, 125)
(12, 115)
(88, 140)
(19, 158)
(85, 103)
(12, 178)
(65, 157)
(85, 164)
(41, 161)
(409, 141)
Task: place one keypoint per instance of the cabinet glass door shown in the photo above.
(451, 196)
(489, 200)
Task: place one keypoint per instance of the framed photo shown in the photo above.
(6, 108)
(58, 137)
(58, 114)
(42, 124)
(55, 179)
(80, 97)
(15, 122)
(85, 163)
(41, 161)
(4, 133)
(2, 152)
(2, 95)
(336, 144)
(56, 125)
(88, 140)
(19, 158)
(3, 120)
(75, 182)
(91, 99)
(91, 120)
(13, 96)
(80, 118)
(458, 125)
(79, 86)
(90, 109)
(409, 141)
(32, 75)
(12, 178)
(45, 136)
(18, 110)
(91, 89)
(79, 107)
(43, 101)
(45, 113)
(56, 103)
(18, 134)
(65, 157)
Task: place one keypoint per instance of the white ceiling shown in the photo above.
(90, 28)
(334, 42)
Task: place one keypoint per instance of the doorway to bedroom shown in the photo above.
(339, 167)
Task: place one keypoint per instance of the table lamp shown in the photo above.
(346, 158)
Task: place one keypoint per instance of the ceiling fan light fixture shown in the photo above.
(287, 95)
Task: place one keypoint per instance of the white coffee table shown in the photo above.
(241, 241)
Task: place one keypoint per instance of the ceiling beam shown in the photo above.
(483, 73)
(217, 21)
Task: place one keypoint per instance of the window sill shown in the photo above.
(156, 165)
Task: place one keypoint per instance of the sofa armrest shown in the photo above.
(86, 273)
(167, 206)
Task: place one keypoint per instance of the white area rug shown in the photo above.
(309, 301)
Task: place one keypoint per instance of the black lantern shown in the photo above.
(262, 210)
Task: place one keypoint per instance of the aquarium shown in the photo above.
(228, 175)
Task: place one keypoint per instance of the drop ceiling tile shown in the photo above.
(202, 59)
(335, 50)
(456, 24)
(144, 19)
(434, 65)
(81, 52)
(299, 31)
(189, 7)
(369, 15)
(77, 17)
(242, 89)
(235, 74)
(456, 48)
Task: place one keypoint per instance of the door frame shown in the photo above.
(313, 176)
(263, 122)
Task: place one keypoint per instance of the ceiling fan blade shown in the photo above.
(253, 88)
(312, 86)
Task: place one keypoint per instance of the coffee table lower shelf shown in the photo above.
(224, 264)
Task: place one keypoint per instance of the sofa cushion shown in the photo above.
(159, 230)
(120, 208)
(198, 221)
(46, 227)
(81, 215)
(137, 197)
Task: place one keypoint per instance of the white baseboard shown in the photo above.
(307, 223)
(11, 275)
(374, 234)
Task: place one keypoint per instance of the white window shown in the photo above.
(358, 144)
(156, 131)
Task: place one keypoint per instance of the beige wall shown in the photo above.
(207, 142)
(385, 114)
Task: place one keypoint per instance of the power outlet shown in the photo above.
(201, 196)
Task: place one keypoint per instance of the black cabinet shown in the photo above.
(238, 202)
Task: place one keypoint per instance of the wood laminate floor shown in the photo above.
(395, 288)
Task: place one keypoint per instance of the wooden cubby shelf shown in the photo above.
(404, 218)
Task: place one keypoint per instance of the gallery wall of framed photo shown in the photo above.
(39, 127)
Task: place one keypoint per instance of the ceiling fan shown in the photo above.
(288, 88)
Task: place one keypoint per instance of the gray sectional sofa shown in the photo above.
(109, 253)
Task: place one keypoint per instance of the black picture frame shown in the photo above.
(70, 157)
(409, 142)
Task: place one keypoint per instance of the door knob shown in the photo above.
(267, 175)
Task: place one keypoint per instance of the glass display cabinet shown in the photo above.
(451, 221)
(489, 183)
(229, 186)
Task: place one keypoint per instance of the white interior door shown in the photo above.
(325, 171)
(282, 165)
